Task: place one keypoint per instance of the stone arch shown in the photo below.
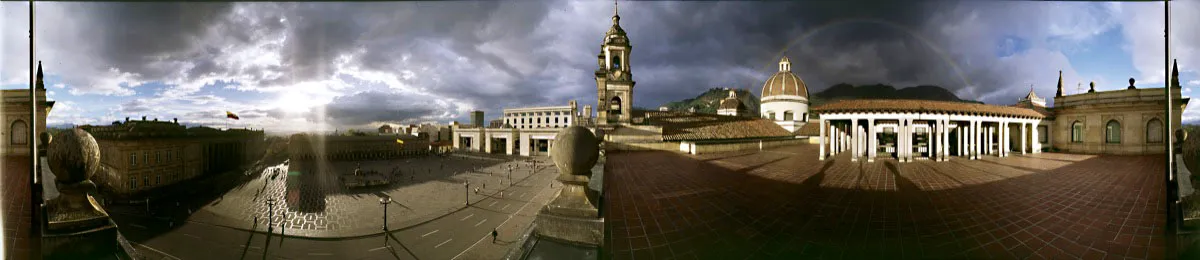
(1154, 131)
(615, 105)
(1112, 132)
(18, 132)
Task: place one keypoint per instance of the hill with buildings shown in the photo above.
(708, 101)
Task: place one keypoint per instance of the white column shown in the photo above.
(987, 139)
(1037, 144)
(944, 152)
(822, 139)
(873, 142)
(958, 133)
(901, 138)
(908, 132)
(1007, 138)
(975, 142)
(929, 140)
(1023, 138)
(855, 139)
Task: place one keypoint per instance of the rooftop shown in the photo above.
(918, 106)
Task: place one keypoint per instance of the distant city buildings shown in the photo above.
(524, 131)
(370, 147)
(146, 154)
(15, 132)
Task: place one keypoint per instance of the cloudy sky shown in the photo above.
(299, 66)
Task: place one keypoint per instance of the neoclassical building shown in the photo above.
(1127, 121)
(15, 132)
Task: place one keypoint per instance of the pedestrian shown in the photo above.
(494, 234)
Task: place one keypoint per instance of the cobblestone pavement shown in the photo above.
(316, 205)
(783, 203)
(15, 203)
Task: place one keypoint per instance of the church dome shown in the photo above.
(784, 84)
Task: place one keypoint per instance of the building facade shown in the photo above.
(540, 117)
(143, 155)
(1126, 121)
(15, 131)
(731, 106)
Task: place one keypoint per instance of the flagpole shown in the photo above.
(35, 234)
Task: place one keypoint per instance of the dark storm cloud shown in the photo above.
(371, 106)
(136, 37)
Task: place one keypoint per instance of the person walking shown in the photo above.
(494, 234)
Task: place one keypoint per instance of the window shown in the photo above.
(1043, 136)
(146, 158)
(1154, 131)
(770, 115)
(1112, 132)
(804, 116)
(19, 133)
(787, 115)
(132, 159)
(157, 157)
(158, 179)
(133, 183)
(168, 155)
(1077, 132)
(146, 181)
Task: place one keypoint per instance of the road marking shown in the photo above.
(480, 222)
(138, 226)
(377, 248)
(505, 206)
(190, 235)
(443, 243)
(430, 233)
(467, 217)
(510, 217)
(319, 254)
(493, 203)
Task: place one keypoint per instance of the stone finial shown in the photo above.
(1092, 87)
(74, 156)
(45, 138)
(1131, 83)
(1191, 150)
(143, 118)
(575, 151)
(1180, 135)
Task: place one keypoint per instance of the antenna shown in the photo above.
(1078, 87)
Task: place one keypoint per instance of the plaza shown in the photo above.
(785, 203)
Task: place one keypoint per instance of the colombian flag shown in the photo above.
(231, 115)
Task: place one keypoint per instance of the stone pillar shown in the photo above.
(833, 140)
(873, 144)
(929, 140)
(573, 215)
(822, 140)
(905, 139)
(487, 146)
(1037, 144)
(508, 144)
(855, 138)
(958, 133)
(973, 144)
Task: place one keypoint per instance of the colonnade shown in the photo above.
(944, 135)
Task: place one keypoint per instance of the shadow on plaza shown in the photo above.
(750, 216)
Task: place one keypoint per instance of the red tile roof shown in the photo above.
(908, 105)
(692, 126)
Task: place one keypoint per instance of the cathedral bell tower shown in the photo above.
(614, 82)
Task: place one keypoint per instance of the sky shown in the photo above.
(288, 67)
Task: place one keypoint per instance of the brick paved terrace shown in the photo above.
(783, 203)
(15, 203)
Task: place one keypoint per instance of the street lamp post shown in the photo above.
(467, 191)
(270, 213)
(385, 201)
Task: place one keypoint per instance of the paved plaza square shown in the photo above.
(784, 203)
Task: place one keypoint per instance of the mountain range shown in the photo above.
(708, 101)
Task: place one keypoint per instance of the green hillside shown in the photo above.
(708, 101)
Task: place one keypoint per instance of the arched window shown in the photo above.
(787, 116)
(1077, 132)
(770, 115)
(1112, 132)
(616, 61)
(19, 132)
(1154, 131)
(803, 116)
(614, 105)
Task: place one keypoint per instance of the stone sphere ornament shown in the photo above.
(1191, 153)
(74, 156)
(1180, 135)
(575, 151)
